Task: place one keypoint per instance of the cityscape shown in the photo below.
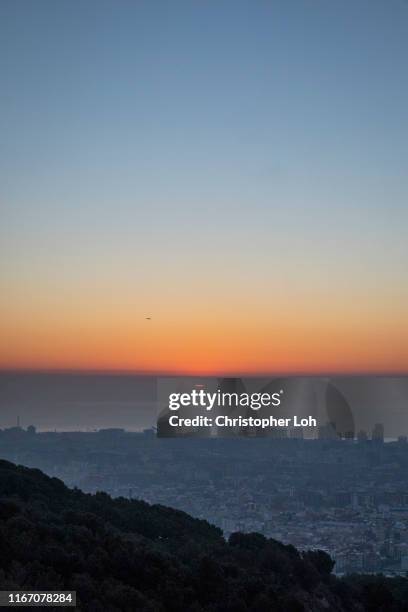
(346, 496)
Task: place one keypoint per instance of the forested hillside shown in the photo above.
(128, 555)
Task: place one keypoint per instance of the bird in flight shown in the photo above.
(148, 318)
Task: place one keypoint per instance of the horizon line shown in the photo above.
(178, 373)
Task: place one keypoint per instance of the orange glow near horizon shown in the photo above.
(205, 326)
(204, 343)
(218, 191)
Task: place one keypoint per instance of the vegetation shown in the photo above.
(121, 554)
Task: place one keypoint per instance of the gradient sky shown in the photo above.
(235, 170)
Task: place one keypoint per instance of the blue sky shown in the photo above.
(233, 138)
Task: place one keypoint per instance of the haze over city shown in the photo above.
(203, 311)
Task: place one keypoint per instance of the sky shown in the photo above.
(236, 171)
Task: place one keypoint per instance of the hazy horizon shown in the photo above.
(80, 402)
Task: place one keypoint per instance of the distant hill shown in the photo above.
(126, 555)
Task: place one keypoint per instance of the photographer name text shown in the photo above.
(227, 421)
